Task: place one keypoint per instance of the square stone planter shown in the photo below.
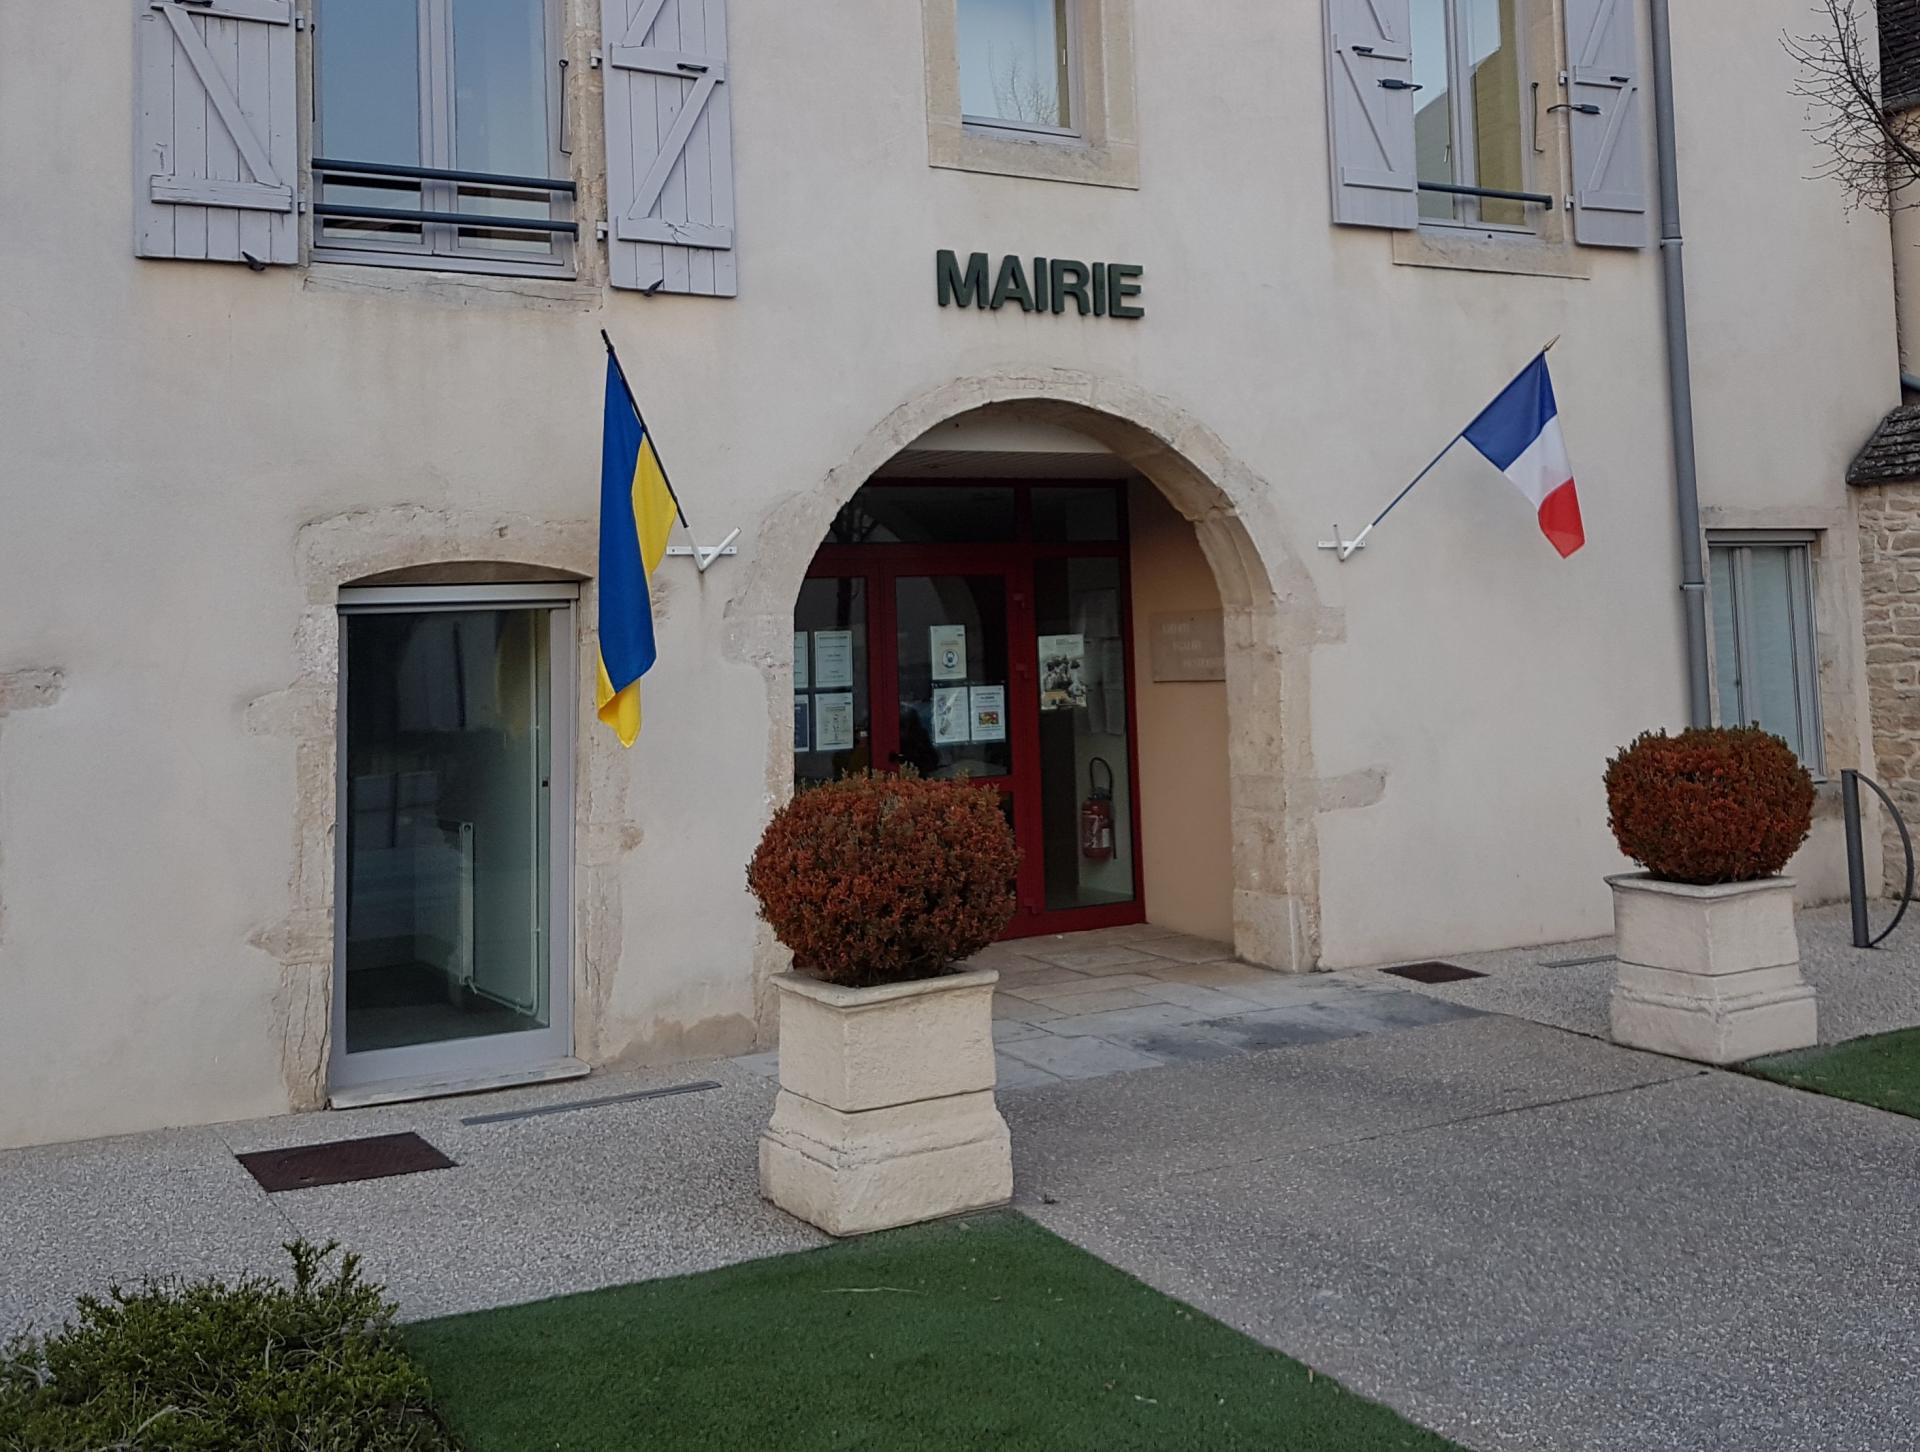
(1709, 973)
(886, 1114)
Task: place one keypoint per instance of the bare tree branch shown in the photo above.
(1873, 154)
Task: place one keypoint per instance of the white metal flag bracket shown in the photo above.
(704, 555)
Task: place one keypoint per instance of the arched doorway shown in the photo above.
(971, 608)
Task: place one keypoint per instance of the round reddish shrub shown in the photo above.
(1726, 804)
(882, 879)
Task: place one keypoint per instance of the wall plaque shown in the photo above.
(1191, 646)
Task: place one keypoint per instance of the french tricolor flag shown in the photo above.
(1520, 435)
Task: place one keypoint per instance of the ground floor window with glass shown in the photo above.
(1765, 654)
(451, 927)
(983, 631)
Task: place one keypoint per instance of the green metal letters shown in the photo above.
(1101, 290)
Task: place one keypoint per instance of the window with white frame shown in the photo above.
(437, 137)
(1018, 67)
(1471, 127)
(1765, 654)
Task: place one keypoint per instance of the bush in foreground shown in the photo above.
(884, 879)
(1726, 804)
(196, 1366)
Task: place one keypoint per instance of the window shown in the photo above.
(1470, 126)
(437, 135)
(1765, 657)
(1033, 88)
(1017, 64)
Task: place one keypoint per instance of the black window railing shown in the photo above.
(501, 181)
(1496, 194)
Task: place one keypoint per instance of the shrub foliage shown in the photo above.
(880, 879)
(1709, 806)
(196, 1366)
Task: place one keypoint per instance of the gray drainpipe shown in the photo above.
(1908, 381)
(1693, 584)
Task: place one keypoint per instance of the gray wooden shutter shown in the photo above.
(669, 146)
(1606, 116)
(215, 148)
(1370, 113)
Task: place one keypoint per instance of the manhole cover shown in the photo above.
(1434, 972)
(343, 1161)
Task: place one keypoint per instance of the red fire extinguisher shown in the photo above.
(1096, 814)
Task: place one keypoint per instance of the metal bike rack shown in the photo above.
(1856, 858)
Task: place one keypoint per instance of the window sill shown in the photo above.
(428, 283)
(1043, 156)
(1488, 249)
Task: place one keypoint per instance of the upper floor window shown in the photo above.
(1017, 66)
(1766, 662)
(437, 135)
(1470, 126)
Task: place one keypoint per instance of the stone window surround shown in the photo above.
(1547, 248)
(1106, 153)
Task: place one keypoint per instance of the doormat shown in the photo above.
(1434, 972)
(342, 1161)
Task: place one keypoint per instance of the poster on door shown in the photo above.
(832, 658)
(947, 649)
(1063, 672)
(803, 723)
(987, 705)
(800, 681)
(950, 721)
(833, 722)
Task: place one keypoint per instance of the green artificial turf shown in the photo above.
(1883, 1070)
(986, 1332)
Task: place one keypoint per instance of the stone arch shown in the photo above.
(1273, 619)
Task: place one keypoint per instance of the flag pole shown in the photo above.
(1349, 546)
(1353, 544)
(634, 404)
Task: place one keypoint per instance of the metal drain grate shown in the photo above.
(540, 1111)
(1434, 972)
(342, 1161)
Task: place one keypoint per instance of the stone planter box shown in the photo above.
(886, 1114)
(1709, 973)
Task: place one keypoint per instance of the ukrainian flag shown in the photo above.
(637, 510)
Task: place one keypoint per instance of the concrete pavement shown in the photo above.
(1519, 1235)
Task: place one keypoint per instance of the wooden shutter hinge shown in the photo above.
(600, 231)
(594, 58)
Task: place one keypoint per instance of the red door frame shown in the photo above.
(880, 565)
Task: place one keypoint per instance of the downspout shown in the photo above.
(1693, 583)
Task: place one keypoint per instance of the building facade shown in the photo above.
(1031, 347)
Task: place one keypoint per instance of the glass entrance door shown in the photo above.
(451, 910)
(982, 632)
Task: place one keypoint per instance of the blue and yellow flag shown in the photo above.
(636, 512)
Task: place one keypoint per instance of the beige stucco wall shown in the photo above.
(1186, 844)
(196, 454)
